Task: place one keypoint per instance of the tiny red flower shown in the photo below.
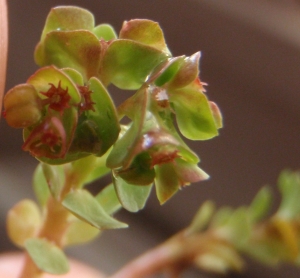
(47, 139)
(57, 97)
(86, 102)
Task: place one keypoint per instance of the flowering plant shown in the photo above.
(71, 125)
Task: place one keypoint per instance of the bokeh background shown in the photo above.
(251, 61)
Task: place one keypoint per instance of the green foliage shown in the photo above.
(82, 204)
(53, 260)
(271, 240)
(72, 127)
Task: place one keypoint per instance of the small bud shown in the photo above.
(22, 106)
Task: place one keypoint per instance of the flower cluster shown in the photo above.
(69, 113)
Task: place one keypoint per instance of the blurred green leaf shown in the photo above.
(99, 169)
(127, 63)
(261, 204)
(55, 177)
(289, 186)
(47, 256)
(132, 197)
(79, 232)
(105, 32)
(234, 226)
(202, 217)
(40, 186)
(82, 204)
(23, 221)
(108, 199)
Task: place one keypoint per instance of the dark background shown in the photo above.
(251, 61)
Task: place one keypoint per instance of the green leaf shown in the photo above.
(23, 221)
(108, 199)
(68, 18)
(168, 71)
(289, 186)
(55, 177)
(99, 170)
(79, 50)
(79, 232)
(75, 76)
(82, 204)
(47, 256)
(123, 147)
(166, 182)
(202, 217)
(132, 197)
(261, 204)
(105, 117)
(144, 31)
(140, 171)
(233, 225)
(127, 63)
(194, 116)
(81, 169)
(40, 186)
(105, 32)
(188, 172)
(187, 73)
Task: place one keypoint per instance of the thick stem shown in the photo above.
(172, 256)
(3, 47)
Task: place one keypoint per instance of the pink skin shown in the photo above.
(11, 264)
(3, 47)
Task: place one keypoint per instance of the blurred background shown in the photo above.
(251, 61)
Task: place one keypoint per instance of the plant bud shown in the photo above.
(22, 106)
